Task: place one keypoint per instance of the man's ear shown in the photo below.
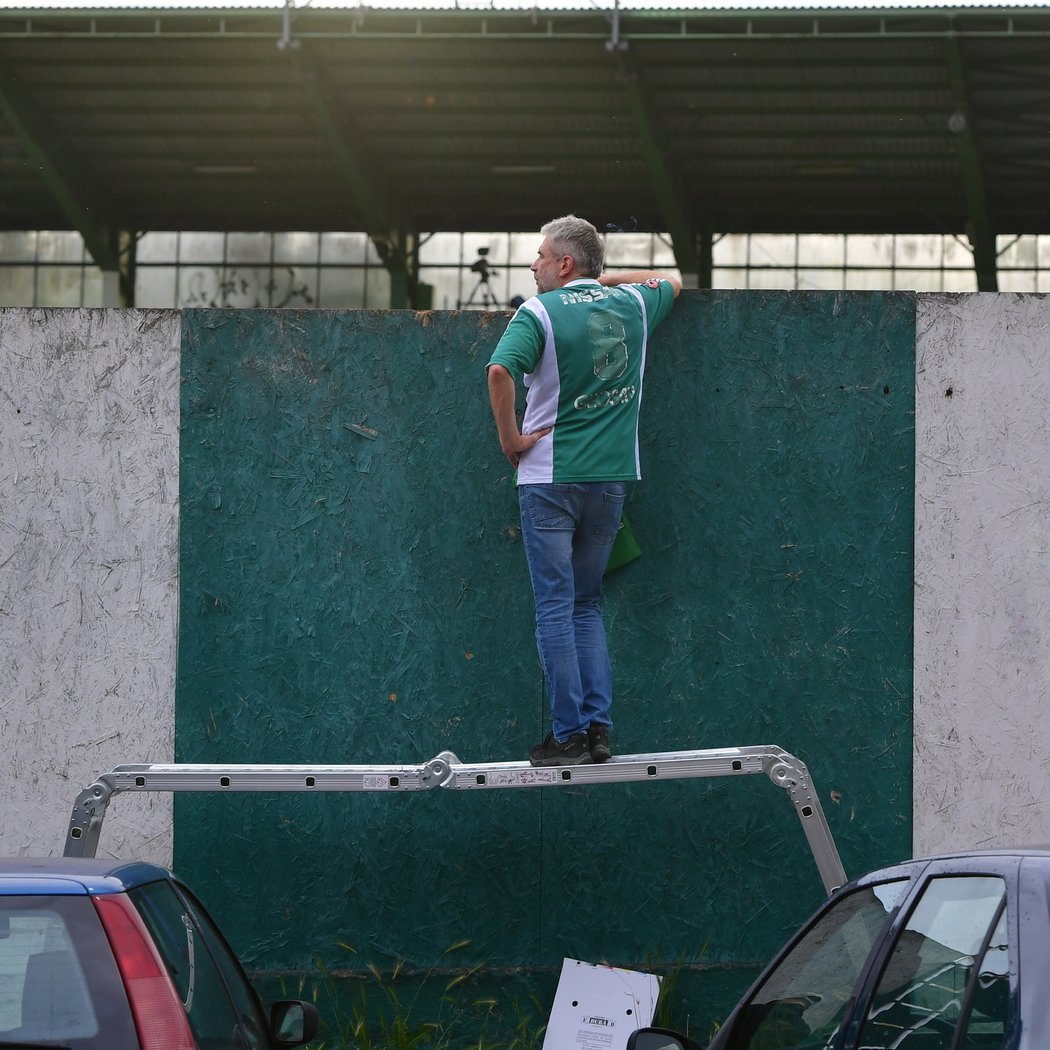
(566, 266)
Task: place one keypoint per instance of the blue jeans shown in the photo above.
(568, 532)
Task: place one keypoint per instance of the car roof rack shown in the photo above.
(447, 771)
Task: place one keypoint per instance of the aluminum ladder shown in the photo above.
(447, 771)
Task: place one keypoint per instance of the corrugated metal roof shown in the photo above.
(607, 6)
(837, 120)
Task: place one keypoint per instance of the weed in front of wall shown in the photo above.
(402, 1011)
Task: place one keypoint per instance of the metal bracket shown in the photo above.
(446, 770)
(89, 811)
(791, 774)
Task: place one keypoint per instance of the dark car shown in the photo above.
(947, 953)
(116, 955)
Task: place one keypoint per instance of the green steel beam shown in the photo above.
(664, 180)
(370, 200)
(64, 172)
(980, 231)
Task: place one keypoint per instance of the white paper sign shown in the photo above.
(598, 1007)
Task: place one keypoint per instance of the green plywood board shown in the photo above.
(353, 590)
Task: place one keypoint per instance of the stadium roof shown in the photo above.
(690, 121)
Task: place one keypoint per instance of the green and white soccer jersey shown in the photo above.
(581, 349)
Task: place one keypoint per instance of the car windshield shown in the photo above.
(803, 1002)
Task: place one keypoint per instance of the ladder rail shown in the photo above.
(446, 771)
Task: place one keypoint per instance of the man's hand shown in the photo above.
(501, 396)
(518, 444)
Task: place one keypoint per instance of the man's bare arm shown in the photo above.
(501, 397)
(640, 277)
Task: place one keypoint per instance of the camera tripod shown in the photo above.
(483, 288)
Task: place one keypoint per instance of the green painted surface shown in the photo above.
(360, 596)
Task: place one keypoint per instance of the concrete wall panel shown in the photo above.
(88, 568)
(982, 576)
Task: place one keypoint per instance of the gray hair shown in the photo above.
(577, 237)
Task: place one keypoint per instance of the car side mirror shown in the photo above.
(660, 1039)
(293, 1022)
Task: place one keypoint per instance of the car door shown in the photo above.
(919, 962)
(945, 982)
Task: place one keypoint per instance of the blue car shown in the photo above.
(948, 953)
(116, 955)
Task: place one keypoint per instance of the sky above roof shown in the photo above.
(512, 5)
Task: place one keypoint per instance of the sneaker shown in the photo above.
(598, 742)
(573, 752)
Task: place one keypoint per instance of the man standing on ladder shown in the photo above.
(580, 344)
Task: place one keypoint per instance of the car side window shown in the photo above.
(246, 1002)
(805, 1000)
(947, 970)
(214, 1018)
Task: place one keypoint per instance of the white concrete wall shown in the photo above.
(982, 572)
(89, 469)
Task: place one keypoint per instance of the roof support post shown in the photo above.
(665, 181)
(985, 260)
(706, 245)
(392, 251)
(118, 285)
(979, 227)
(127, 255)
